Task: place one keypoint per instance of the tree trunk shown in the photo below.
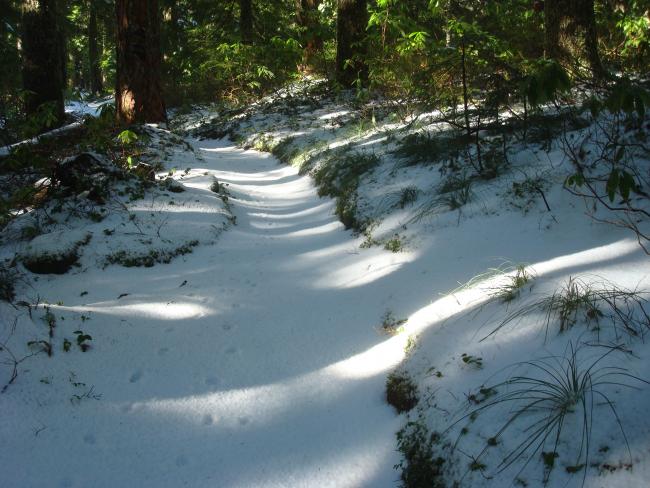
(246, 21)
(591, 38)
(563, 20)
(307, 18)
(552, 20)
(138, 91)
(42, 58)
(93, 51)
(352, 19)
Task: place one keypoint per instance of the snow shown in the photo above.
(258, 358)
(78, 109)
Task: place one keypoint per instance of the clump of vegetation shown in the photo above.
(215, 187)
(418, 147)
(475, 362)
(390, 324)
(148, 259)
(41, 259)
(408, 196)
(592, 303)
(542, 404)
(456, 191)
(420, 466)
(401, 392)
(339, 176)
(516, 282)
(8, 278)
(394, 244)
(525, 193)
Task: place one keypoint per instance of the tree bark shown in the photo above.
(42, 57)
(562, 19)
(138, 91)
(246, 21)
(307, 18)
(352, 19)
(96, 85)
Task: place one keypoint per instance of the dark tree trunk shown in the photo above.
(591, 38)
(93, 51)
(563, 20)
(352, 19)
(138, 91)
(42, 57)
(552, 21)
(307, 17)
(246, 21)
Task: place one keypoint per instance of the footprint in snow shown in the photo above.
(135, 377)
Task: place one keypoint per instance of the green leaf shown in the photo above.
(626, 185)
(612, 185)
(619, 154)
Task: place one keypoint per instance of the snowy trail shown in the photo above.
(259, 371)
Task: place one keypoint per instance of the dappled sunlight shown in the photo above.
(589, 257)
(326, 206)
(333, 115)
(150, 310)
(192, 208)
(314, 231)
(272, 176)
(358, 271)
(386, 355)
(377, 360)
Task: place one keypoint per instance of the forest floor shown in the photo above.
(260, 356)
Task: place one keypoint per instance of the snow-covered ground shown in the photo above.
(259, 358)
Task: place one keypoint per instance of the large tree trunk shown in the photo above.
(246, 21)
(307, 18)
(564, 20)
(352, 19)
(93, 50)
(42, 57)
(138, 91)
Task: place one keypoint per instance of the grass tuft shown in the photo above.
(592, 303)
(559, 391)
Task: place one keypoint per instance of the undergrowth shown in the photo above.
(421, 466)
(131, 259)
(551, 396)
(594, 304)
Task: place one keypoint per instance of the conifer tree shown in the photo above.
(42, 54)
(138, 91)
(352, 19)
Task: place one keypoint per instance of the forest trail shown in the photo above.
(240, 364)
